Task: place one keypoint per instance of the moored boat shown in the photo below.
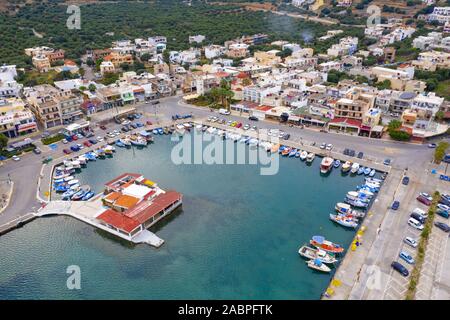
(318, 265)
(346, 166)
(360, 170)
(303, 155)
(337, 163)
(346, 209)
(355, 167)
(367, 171)
(88, 195)
(328, 246)
(292, 153)
(310, 157)
(344, 221)
(372, 173)
(313, 253)
(275, 148)
(286, 151)
(326, 165)
(356, 203)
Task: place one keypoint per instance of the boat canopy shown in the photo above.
(318, 239)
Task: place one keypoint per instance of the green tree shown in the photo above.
(92, 87)
(3, 141)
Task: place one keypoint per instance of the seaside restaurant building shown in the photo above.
(134, 203)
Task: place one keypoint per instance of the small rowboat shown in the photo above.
(337, 163)
(344, 221)
(286, 152)
(313, 253)
(303, 155)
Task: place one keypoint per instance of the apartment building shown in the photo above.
(51, 54)
(257, 93)
(354, 105)
(197, 38)
(118, 59)
(401, 101)
(432, 60)
(15, 119)
(214, 51)
(237, 50)
(346, 46)
(440, 14)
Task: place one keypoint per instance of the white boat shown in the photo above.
(310, 157)
(211, 130)
(68, 178)
(187, 125)
(373, 180)
(243, 139)
(303, 155)
(198, 127)
(346, 166)
(326, 165)
(318, 265)
(76, 164)
(355, 195)
(344, 221)
(355, 167)
(313, 253)
(346, 209)
(236, 137)
(72, 182)
(253, 142)
(83, 160)
(125, 141)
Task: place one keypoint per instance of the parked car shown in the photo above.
(239, 125)
(415, 224)
(432, 145)
(445, 199)
(87, 144)
(442, 213)
(346, 151)
(286, 136)
(397, 266)
(124, 129)
(351, 153)
(93, 141)
(74, 137)
(133, 125)
(67, 151)
(99, 139)
(405, 180)
(139, 124)
(360, 155)
(418, 217)
(426, 195)
(15, 158)
(443, 207)
(89, 134)
(74, 148)
(421, 212)
(149, 123)
(65, 141)
(125, 122)
(103, 127)
(323, 145)
(253, 118)
(395, 205)
(387, 162)
(37, 151)
(411, 242)
(443, 226)
(80, 136)
(407, 257)
(423, 200)
(329, 147)
(246, 127)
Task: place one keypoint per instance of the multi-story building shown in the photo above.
(432, 60)
(237, 50)
(257, 93)
(41, 63)
(354, 105)
(8, 85)
(440, 14)
(426, 106)
(53, 107)
(15, 119)
(214, 51)
(346, 46)
(118, 59)
(401, 101)
(51, 54)
(107, 67)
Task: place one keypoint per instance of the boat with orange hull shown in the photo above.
(328, 246)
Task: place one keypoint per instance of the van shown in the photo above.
(415, 224)
(224, 111)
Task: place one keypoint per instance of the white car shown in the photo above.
(125, 122)
(80, 146)
(415, 224)
(65, 141)
(99, 139)
(15, 158)
(323, 145)
(426, 195)
(246, 127)
(329, 147)
(411, 242)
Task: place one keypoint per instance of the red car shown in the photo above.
(149, 122)
(74, 137)
(103, 127)
(424, 200)
(239, 125)
(87, 143)
(67, 151)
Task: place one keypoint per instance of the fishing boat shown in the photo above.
(367, 171)
(373, 180)
(373, 185)
(83, 160)
(303, 155)
(360, 170)
(166, 130)
(75, 186)
(346, 209)
(88, 195)
(281, 148)
(337, 163)
(91, 156)
(160, 131)
(155, 131)
(344, 221)
(275, 148)
(286, 152)
(346, 166)
(367, 193)
(67, 179)
(139, 142)
(355, 167)
(76, 164)
(368, 188)
(356, 203)
(63, 187)
(310, 157)
(108, 150)
(372, 173)
(328, 246)
(292, 153)
(72, 182)
(101, 153)
(313, 253)
(297, 154)
(316, 264)
(326, 165)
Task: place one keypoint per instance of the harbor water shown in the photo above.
(236, 236)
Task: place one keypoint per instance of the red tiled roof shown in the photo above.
(242, 75)
(145, 210)
(263, 108)
(347, 121)
(119, 220)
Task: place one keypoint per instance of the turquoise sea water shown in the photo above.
(236, 237)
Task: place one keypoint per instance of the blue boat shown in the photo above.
(367, 171)
(160, 131)
(120, 144)
(78, 195)
(337, 163)
(88, 195)
(91, 156)
(356, 203)
(292, 153)
(372, 173)
(155, 131)
(361, 170)
(280, 150)
(297, 154)
(61, 188)
(368, 188)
